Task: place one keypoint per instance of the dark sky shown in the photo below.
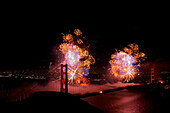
(27, 41)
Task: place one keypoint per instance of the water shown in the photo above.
(133, 100)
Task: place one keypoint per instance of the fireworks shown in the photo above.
(75, 49)
(124, 64)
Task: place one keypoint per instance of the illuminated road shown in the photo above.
(133, 100)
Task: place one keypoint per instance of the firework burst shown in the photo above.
(124, 64)
(75, 53)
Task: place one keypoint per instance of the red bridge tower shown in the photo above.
(152, 74)
(64, 78)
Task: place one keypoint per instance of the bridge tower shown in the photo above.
(152, 74)
(64, 78)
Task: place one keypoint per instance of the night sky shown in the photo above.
(27, 41)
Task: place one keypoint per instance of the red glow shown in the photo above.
(84, 84)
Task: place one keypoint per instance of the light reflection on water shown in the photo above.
(125, 102)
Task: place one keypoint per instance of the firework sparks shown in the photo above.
(124, 64)
(76, 54)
